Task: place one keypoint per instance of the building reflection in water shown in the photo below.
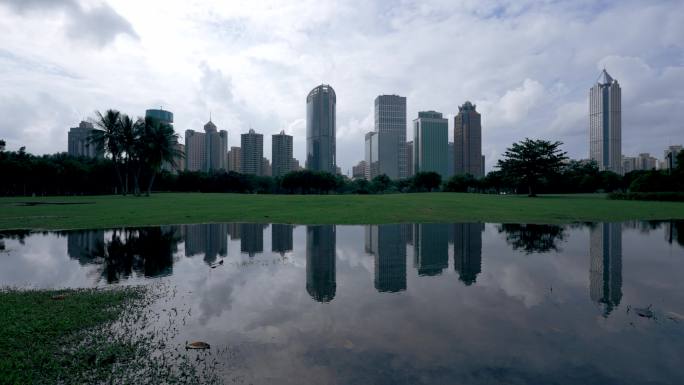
(281, 238)
(468, 251)
(210, 239)
(252, 238)
(431, 248)
(605, 274)
(387, 243)
(320, 262)
(83, 245)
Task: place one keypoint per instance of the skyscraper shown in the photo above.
(409, 159)
(207, 151)
(320, 262)
(281, 153)
(468, 141)
(234, 157)
(216, 147)
(252, 149)
(80, 141)
(605, 123)
(605, 271)
(320, 129)
(430, 143)
(670, 156)
(371, 155)
(390, 125)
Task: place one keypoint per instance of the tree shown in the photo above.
(460, 183)
(156, 144)
(107, 138)
(531, 160)
(381, 183)
(426, 181)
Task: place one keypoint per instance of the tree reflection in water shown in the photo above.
(533, 238)
(146, 251)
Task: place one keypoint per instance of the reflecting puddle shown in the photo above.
(463, 303)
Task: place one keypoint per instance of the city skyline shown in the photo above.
(51, 86)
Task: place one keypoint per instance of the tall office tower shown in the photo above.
(252, 238)
(431, 248)
(216, 145)
(281, 238)
(320, 262)
(166, 117)
(320, 129)
(195, 150)
(430, 143)
(371, 155)
(670, 156)
(468, 251)
(390, 124)
(409, 159)
(388, 244)
(605, 272)
(252, 157)
(295, 165)
(281, 153)
(450, 159)
(234, 158)
(359, 171)
(468, 141)
(605, 123)
(80, 142)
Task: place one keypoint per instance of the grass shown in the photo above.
(37, 331)
(176, 208)
(95, 336)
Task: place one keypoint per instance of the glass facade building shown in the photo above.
(320, 129)
(605, 123)
(430, 143)
(390, 124)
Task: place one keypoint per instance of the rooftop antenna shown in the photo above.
(210, 115)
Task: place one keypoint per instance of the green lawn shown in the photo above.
(176, 208)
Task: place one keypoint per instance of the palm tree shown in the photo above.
(107, 138)
(157, 144)
(129, 137)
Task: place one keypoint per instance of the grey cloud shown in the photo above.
(98, 25)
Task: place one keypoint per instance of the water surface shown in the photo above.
(465, 303)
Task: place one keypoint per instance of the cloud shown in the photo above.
(528, 65)
(98, 24)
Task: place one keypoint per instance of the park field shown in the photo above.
(61, 213)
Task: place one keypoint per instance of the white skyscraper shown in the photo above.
(605, 123)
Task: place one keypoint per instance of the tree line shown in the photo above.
(137, 149)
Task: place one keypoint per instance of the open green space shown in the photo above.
(42, 334)
(177, 208)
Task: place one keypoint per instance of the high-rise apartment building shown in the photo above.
(390, 125)
(605, 123)
(430, 143)
(216, 147)
(468, 141)
(266, 169)
(252, 149)
(320, 129)
(646, 162)
(206, 151)
(80, 142)
(234, 158)
(281, 153)
(359, 171)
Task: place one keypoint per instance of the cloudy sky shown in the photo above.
(527, 65)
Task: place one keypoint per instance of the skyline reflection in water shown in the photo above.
(399, 303)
